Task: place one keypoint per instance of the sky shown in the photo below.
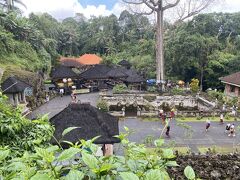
(61, 9)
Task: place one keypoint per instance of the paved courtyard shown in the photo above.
(59, 103)
(141, 129)
(199, 137)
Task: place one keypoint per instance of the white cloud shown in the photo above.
(228, 6)
(61, 9)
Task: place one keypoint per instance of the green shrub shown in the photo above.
(199, 117)
(177, 91)
(120, 88)
(227, 116)
(194, 85)
(152, 89)
(216, 95)
(103, 106)
(19, 133)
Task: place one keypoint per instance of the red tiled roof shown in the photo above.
(232, 79)
(89, 59)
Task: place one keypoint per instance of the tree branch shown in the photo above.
(152, 7)
(141, 2)
(168, 6)
(196, 11)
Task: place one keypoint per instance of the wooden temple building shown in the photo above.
(63, 77)
(96, 76)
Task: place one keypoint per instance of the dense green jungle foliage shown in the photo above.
(18, 133)
(207, 46)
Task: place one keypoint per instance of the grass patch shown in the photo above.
(181, 150)
(203, 119)
(219, 149)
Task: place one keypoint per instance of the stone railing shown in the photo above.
(198, 113)
(148, 113)
(117, 113)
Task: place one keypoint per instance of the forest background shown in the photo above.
(208, 44)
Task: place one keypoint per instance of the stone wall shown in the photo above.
(190, 105)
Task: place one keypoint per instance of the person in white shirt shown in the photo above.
(221, 118)
(61, 91)
(232, 131)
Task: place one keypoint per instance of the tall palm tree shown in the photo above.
(9, 5)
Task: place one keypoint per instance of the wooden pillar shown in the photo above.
(11, 98)
(19, 97)
(107, 149)
(24, 97)
(16, 102)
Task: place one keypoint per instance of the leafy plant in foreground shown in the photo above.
(80, 162)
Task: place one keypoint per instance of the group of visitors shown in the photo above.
(73, 95)
(230, 128)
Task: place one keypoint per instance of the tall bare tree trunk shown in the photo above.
(159, 48)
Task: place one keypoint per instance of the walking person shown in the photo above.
(167, 127)
(227, 128)
(61, 91)
(208, 123)
(232, 131)
(234, 111)
(74, 98)
(168, 131)
(47, 98)
(221, 118)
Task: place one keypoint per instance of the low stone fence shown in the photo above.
(117, 113)
(198, 113)
(148, 113)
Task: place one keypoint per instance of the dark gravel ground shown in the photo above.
(216, 167)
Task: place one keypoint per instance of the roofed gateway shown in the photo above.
(92, 123)
(232, 84)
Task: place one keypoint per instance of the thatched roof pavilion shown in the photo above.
(61, 72)
(125, 63)
(92, 123)
(97, 72)
(135, 78)
(13, 85)
(116, 73)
